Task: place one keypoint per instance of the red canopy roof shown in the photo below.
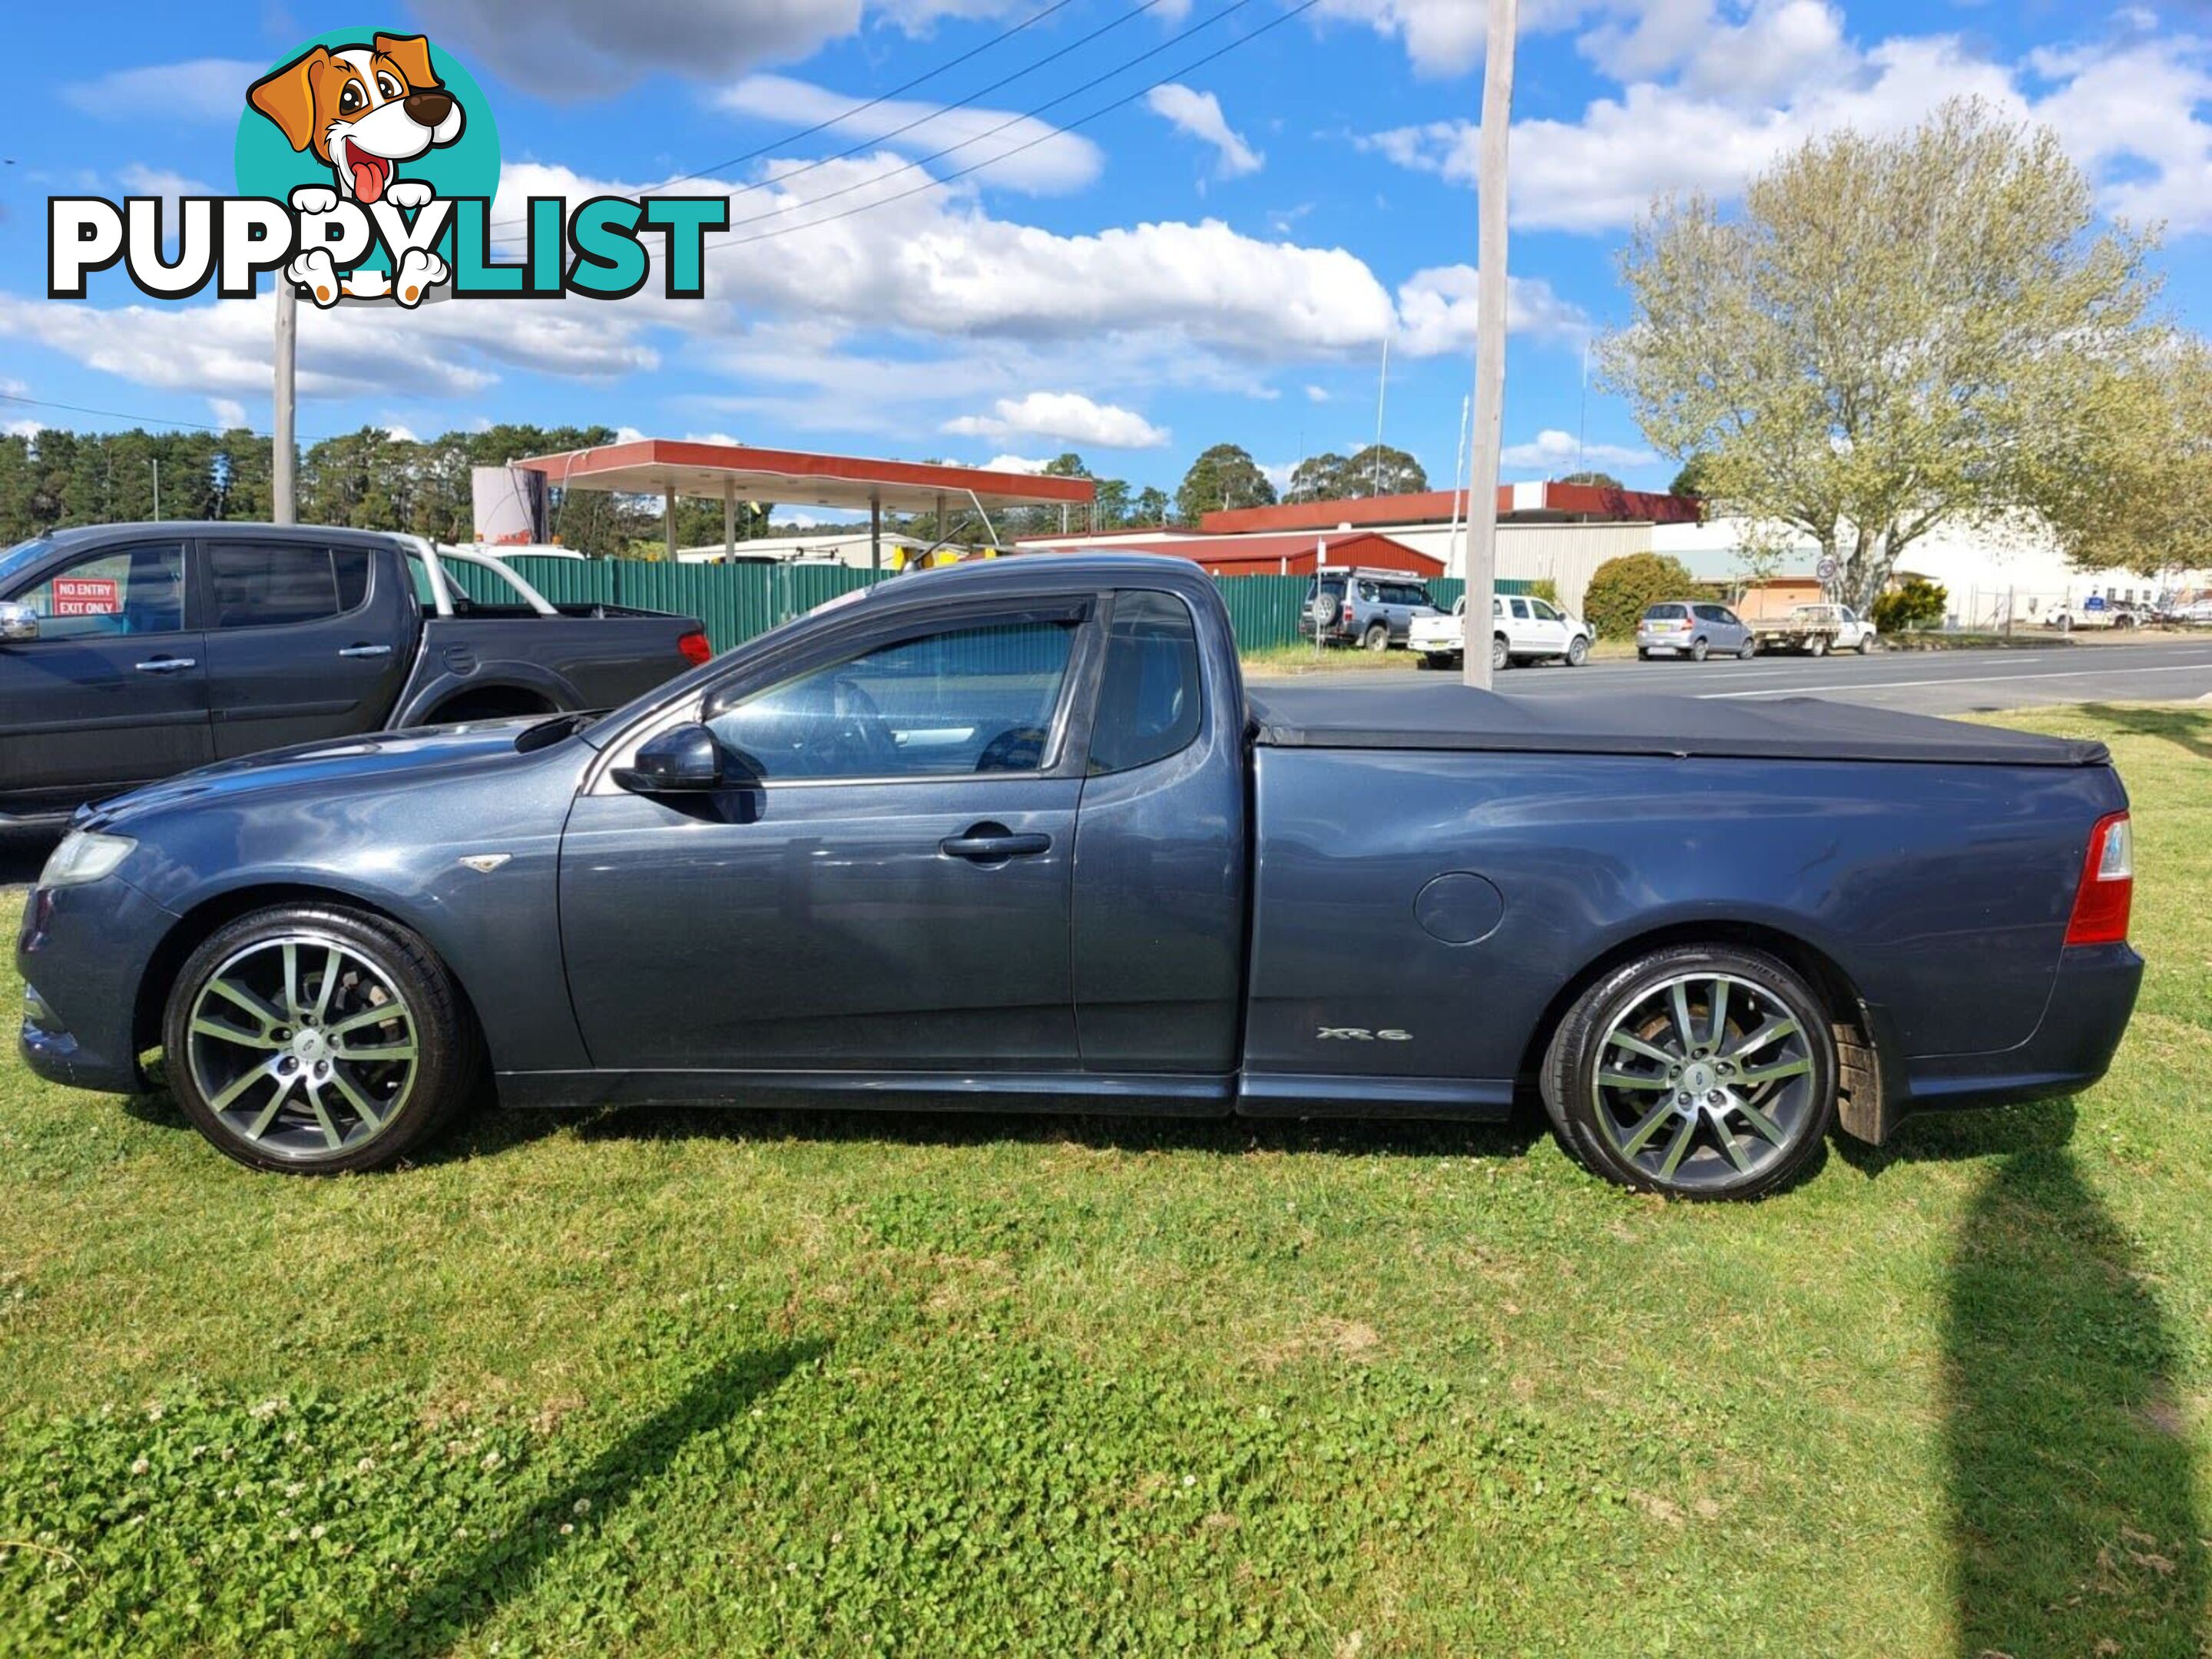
(649, 466)
(1573, 500)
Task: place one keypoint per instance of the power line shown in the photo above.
(149, 420)
(710, 242)
(999, 39)
(1012, 120)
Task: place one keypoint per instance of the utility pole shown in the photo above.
(157, 489)
(280, 442)
(1489, 339)
(1381, 396)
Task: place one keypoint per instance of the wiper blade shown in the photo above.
(548, 732)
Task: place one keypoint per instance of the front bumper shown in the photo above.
(2071, 1047)
(82, 955)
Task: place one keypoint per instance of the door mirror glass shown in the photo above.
(18, 622)
(681, 760)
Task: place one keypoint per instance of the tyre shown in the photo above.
(1429, 659)
(1700, 1072)
(2065, 623)
(1866, 645)
(1699, 650)
(1642, 655)
(1748, 649)
(315, 1040)
(1817, 646)
(1377, 638)
(1577, 652)
(1500, 657)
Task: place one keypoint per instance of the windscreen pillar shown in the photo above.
(668, 520)
(729, 519)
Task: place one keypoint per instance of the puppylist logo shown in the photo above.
(367, 164)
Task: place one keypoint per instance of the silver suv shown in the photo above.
(1695, 629)
(1373, 609)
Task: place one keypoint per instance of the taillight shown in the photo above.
(2108, 884)
(694, 648)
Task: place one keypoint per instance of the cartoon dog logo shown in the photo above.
(362, 110)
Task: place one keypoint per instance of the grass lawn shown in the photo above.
(723, 1383)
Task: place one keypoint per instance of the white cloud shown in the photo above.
(204, 89)
(401, 434)
(228, 412)
(1436, 310)
(1743, 93)
(1016, 464)
(1552, 452)
(1316, 394)
(936, 263)
(1277, 473)
(1199, 115)
(1068, 415)
(1059, 160)
(141, 180)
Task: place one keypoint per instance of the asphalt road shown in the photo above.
(1918, 681)
(1921, 682)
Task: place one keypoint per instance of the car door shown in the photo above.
(113, 691)
(1520, 628)
(884, 885)
(304, 638)
(1547, 629)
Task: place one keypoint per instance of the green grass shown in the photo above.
(683, 1383)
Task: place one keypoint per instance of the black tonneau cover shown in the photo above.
(1441, 715)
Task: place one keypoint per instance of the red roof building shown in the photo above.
(1294, 553)
(1527, 503)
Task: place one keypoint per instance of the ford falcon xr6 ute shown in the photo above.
(1015, 836)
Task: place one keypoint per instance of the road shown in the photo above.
(1921, 682)
(1918, 681)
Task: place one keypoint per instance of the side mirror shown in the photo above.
(685, 759)
(18, 623)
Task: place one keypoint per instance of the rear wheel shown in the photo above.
(1577, 652)
(1699, 650)
(1500, 657)
(1701, 1072)
(1377, 638)
(1642, 655)
(1817, 646)
(316, 1040)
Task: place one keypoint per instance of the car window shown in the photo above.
(1520, 608)
(259, 584)
(961, 701)
(1148, 695)
(1417, 594)
(1541, 611)
(119, 590)
(1663, 613)
(1848, 613)
(1367, 591)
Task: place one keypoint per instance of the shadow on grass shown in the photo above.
(2189, 729)
(490, 1131)
(473, 1586)
(2075, 1525)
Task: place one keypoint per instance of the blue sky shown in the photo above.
(1220, 260)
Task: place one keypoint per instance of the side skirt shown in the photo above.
(1312, 1094)
(1137, 1094)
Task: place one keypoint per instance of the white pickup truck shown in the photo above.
(1523, 629)
(1815, 629)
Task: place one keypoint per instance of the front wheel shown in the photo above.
(316, 1040)
(1866, 645)
(1577, 652)
(1748, 649)
(1700, 1072)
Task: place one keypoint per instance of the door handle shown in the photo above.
(166, 665)
(366, 651)
(992, 843)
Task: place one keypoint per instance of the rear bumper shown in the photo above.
(2072, 1046)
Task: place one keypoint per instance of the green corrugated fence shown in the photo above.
(736, 601)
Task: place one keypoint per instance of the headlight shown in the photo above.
(84, 856)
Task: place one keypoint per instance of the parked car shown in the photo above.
(1815, 630)
(1522, 629)
(131, 651)
(2094, 611)
(1373, 609)
(839, 866)
(1695, 629)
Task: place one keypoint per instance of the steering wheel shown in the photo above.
(860, 732)
(1016, 748)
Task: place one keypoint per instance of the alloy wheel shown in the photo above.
(1704, 1080)
(302, 1046)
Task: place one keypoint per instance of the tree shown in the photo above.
(1602, 480)
(1318, 478)
(1377, 470)
(2136, 489)
(1150, 507)
(1225, 476)
(1691, 482)
(1621, 590)
(1896, 333)
(1917, 604)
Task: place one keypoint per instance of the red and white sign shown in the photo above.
(87, 596)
